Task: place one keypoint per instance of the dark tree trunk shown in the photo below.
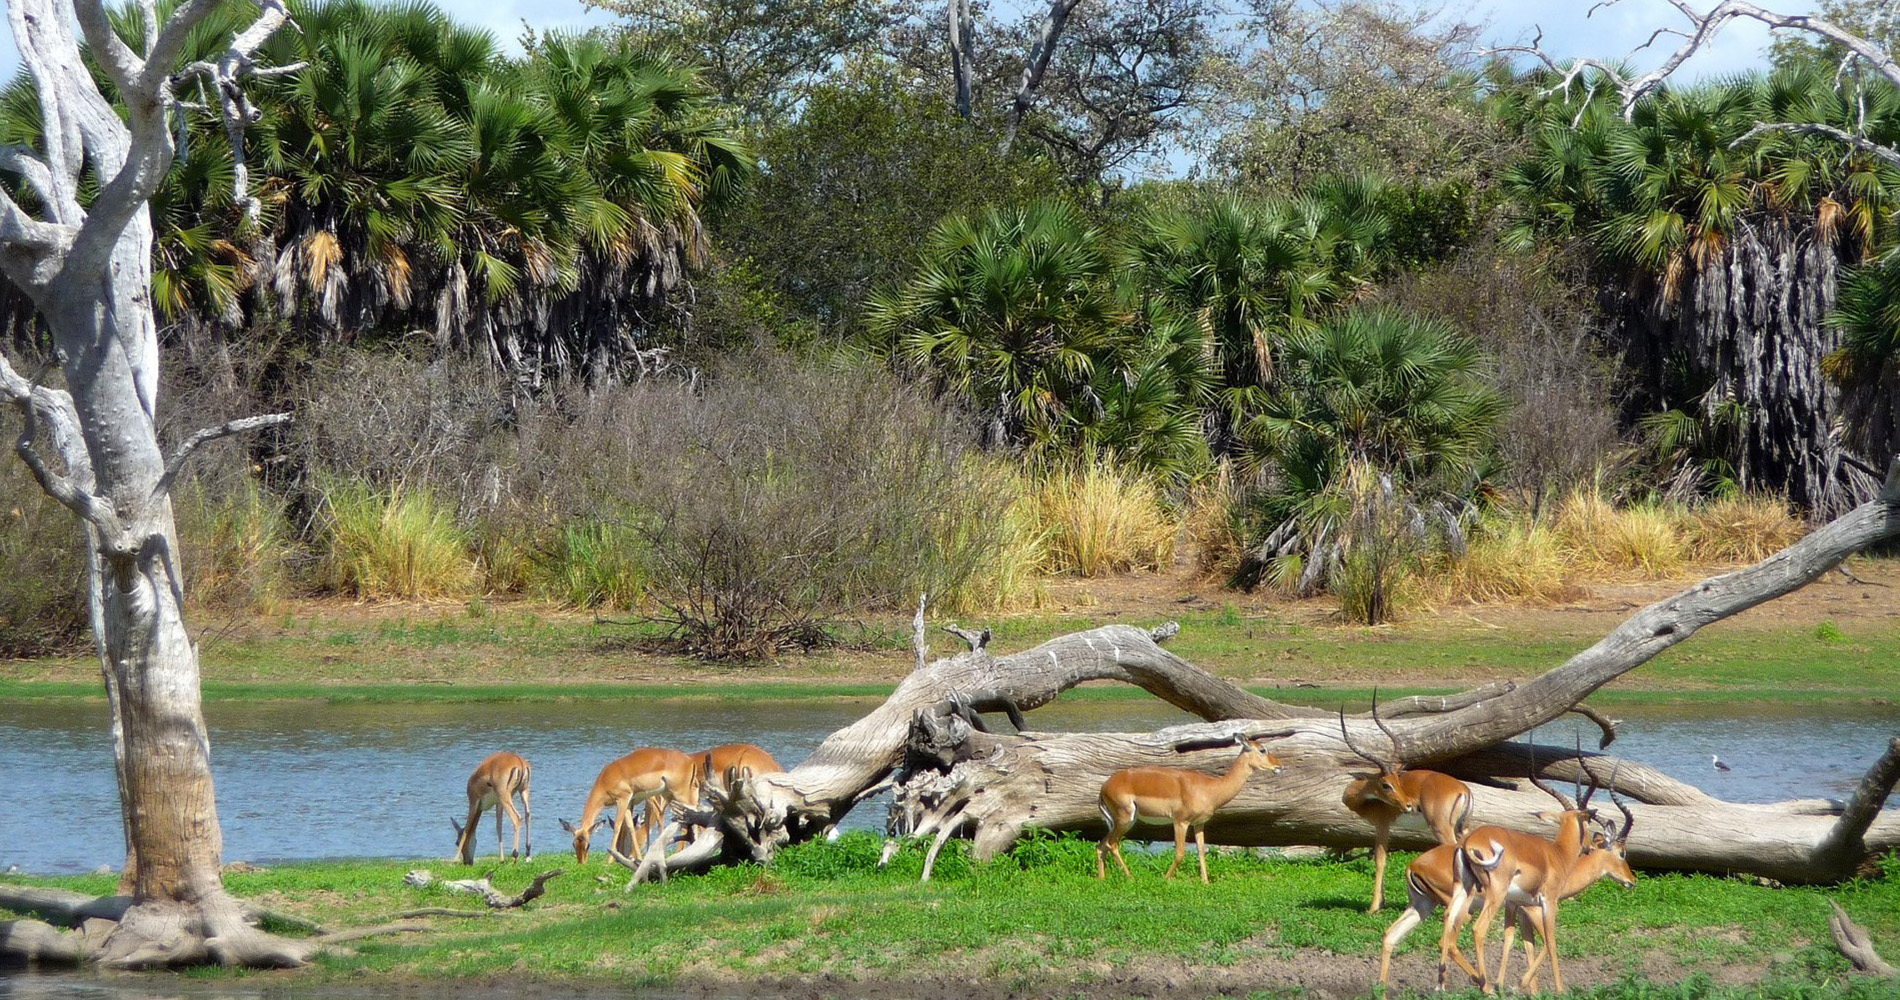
(1751, 327)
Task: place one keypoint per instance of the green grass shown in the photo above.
(1035, 917)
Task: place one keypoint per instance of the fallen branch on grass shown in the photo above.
(422, 877)
(1856, 943)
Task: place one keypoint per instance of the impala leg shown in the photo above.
(1414, 915)
(465, 844)
(1200, 844)
(1550, 942)
(1455, 912)
(1511, 916)
(1533, 956)
(501, 840)
(1380, 833)
(527, 825)
(1117, 827)
(1478, 934)
(1180, 847)
(508, 802)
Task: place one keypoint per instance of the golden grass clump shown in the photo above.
(1742, 529)
(1510, 559)
(402, 544)
(1100, 519)
(1005, 554)
(1646, 540)
(1207, 519)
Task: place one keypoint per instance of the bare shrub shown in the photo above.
(42, 605)
(1559, 429)
(773, 499)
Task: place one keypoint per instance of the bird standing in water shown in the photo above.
(1717, 758)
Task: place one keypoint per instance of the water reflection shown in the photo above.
(309, 780)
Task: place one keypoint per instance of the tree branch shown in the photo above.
(1860, 142)
(207, 435)
(1845, 840)
(74, 492)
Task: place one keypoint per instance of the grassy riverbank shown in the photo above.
(1037, 923)
(1836, 646)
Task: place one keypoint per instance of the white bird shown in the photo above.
(1718, 763)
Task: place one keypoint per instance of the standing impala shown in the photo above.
(494, 785)
(1380, 799)
(646, 773)
(1430, 881)
(1506, 866)
(1188, 798)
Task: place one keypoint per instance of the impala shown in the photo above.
(494, 785)
(646, 773)
(1431, 879)
(721, 763)
(1506, 866)
(1380, 799)
(1188, 798)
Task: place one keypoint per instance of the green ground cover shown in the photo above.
(1038, 917)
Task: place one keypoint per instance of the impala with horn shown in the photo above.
(649, 773)
(1431, 879)
(495, 784)
(1508, 866)
(1381, 799)
(1184, 797)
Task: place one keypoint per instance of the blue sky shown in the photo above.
(1612, 32)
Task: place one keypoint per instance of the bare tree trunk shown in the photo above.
(1037, 64)
(962, 53)
(87, 268)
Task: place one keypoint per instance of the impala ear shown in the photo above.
(1550, 817)
(569, 827)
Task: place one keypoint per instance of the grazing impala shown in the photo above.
(1380, 799)
(1430, 881)
(1506, 866)
(1187, 798)
(646, 773)
(494, 785)
(722, 763)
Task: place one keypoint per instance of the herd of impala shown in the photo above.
(1470, 873)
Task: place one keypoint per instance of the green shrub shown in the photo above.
(593, 564)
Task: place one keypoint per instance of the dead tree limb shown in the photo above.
(1856, 943)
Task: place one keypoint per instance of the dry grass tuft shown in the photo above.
(1100, 519)
(1645, 540)
(1742, 529)
(235, 547)
(1510, 559)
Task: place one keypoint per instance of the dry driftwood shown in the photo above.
(422, 877)
(953, 776)
(1856, 943)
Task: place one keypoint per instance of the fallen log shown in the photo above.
(952, 776)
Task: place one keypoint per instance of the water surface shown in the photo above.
(311, 780)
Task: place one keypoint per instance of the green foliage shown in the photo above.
(1829, 633)
(238, 548)
(1868, 316)
(594, 564)
(871, 163)
(413, 176)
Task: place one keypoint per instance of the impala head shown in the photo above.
(1617, 866)
(1257, 757)
(583, 835)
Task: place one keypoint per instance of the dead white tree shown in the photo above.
(86, 265)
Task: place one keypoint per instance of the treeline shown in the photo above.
(629, 318)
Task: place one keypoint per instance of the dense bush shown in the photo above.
(42, 605)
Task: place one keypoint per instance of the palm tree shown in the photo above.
(1012, 310)
(1724, 253)
(1250, 273)
(1372, 405)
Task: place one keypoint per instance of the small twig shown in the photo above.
(207, 435)
(442, 911)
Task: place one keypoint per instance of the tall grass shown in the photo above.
(1208, 522)
(1509, 558)
(593, 564)
(400, 544)
(42, 603)
(1745, 528)
(1643, 539)
(1102, 519)
(237, 547)
(1005, 553)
